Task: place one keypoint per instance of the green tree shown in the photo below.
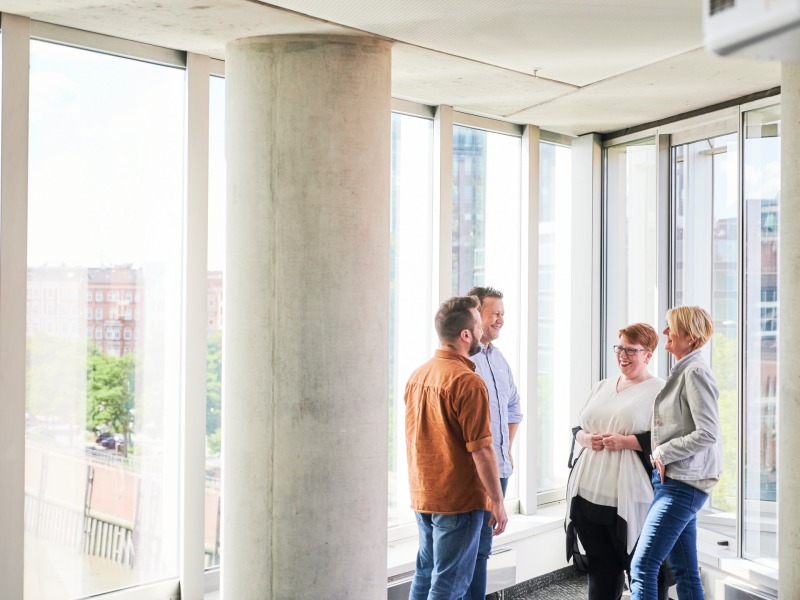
(724, 366)
(110, 393)
(214, 392)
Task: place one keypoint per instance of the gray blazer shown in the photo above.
(685, 429)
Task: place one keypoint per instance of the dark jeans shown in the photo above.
(606, 564)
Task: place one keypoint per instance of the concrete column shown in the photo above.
(789, 339)
(305, 419)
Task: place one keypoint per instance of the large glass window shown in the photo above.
(705, 216)
(216, 264)
(553, 414)
(487, 229)
(105, 214)
(413, 299)
(762, 183)
(631, 243)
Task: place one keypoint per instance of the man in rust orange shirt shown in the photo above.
(452, 467)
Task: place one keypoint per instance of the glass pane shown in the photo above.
(705, 210)
(553, 420)
(413, 301)
(631, 261)
(216, 264)
(762, 185)
(487, 227)
(103, 323)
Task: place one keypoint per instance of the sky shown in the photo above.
(106, 166)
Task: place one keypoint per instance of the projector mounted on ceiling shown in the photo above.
(763, 29)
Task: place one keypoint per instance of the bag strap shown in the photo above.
(570, 462)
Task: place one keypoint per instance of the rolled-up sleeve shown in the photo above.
(514, 404)
(473, 415)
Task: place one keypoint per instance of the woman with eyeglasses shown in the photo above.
(686, 459)
(609, 490)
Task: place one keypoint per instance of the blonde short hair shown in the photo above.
(693, 321)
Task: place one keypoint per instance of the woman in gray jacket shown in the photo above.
(687, 459)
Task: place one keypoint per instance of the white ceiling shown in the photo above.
(569, 66)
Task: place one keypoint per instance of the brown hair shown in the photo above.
(485, 292)
(454, 316)
(692, 321)
(640, 333)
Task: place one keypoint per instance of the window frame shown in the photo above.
(709, 124)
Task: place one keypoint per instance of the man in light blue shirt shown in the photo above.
(506, 414)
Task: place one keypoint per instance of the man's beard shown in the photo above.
(475, 347)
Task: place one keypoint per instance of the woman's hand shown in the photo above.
(593, 441)
(662, 468)
(615, 441)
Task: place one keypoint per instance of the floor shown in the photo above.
(566, 584)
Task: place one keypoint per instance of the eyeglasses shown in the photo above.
(628, 351)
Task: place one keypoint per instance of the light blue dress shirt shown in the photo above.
(504, 402)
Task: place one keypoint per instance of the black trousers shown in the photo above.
(606, 564)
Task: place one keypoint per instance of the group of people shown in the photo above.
(650, 452)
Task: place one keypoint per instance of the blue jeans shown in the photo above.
(670, 531)
(477, 589)
(448, 545)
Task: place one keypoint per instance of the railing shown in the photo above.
(109, 540)
(99, 524)
(68, 525)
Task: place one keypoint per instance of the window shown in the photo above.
(98, 314)
(106, 137)
(412, 295)
(630, 233)
(761, 198)
(127, 333)
(555, 190)
(487, 236)
(214, 357)
(705, 209)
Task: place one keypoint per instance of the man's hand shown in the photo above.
(486, 464)
(499, 518)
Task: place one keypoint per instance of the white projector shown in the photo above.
(762, 29)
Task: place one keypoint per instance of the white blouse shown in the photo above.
(616, 477)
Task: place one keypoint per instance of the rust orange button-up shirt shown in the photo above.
(447, 418)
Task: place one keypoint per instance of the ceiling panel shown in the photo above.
(688, 82)
(571, 66)
(465, 84)
(576, 42)
(202, 27)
